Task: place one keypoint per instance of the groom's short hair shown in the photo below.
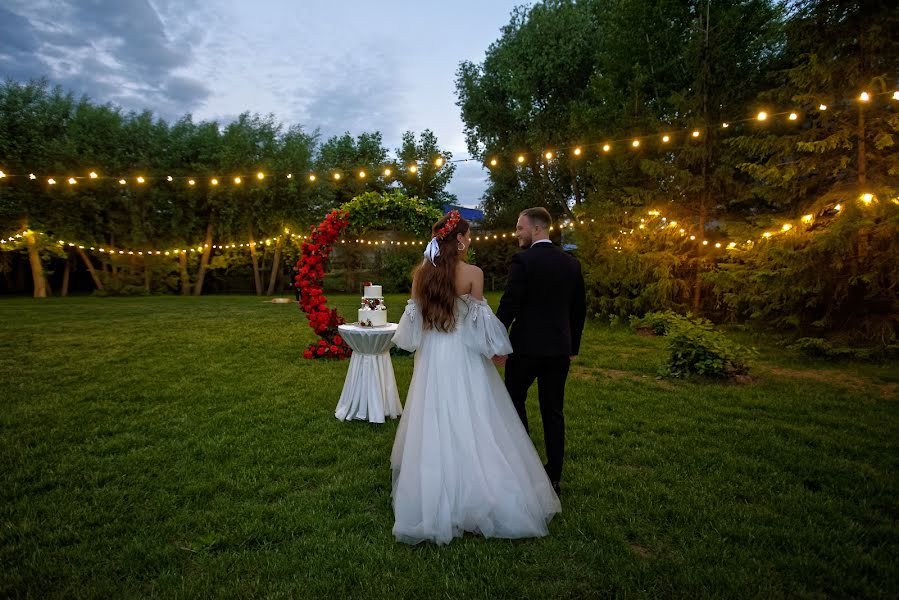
(538, 216)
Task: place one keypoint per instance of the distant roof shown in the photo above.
(469, 214)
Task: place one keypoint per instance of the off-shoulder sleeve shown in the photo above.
(483, 332)
(408, 332)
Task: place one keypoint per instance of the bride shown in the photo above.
(462, 460)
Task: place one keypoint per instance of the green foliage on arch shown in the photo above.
(391, 210)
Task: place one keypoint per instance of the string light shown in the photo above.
(635, 143)
(793, 116)
(786, 227)
(606, 147)
(696, 133)
(31, 176)
(665, 139)
(867, 198)
(807, 218)
(51, 181)
(169, 178)
(336, 176)
(577, 151)
(413, 168)
(191, 182)
(387, 172)
(822, 107)
(93, 175)
(439, 161)
(140, 179)
(492, 162)
(122, 182)
(312, 177)
(520, 159)
(214, 181)
(237, 180)
(549, 155)
(725, 125)
(864, 97)
(361, 174)
(762, 116)
(72, 181)
(290, 175)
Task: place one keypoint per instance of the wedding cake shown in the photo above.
(373, 312)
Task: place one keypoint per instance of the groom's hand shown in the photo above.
(500, 360)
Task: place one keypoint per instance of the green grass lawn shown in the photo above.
(181, 447)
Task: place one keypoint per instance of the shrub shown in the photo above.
(695, 347)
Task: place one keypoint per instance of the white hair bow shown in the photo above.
(432, 251)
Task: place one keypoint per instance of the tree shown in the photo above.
(423, 170)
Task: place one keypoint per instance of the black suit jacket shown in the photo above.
(544, 303)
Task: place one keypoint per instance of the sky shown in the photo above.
(339, 66)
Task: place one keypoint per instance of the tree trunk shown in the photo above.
(37, 269)
(862, 175)
(65, 277)
(276, 268)
(204, 259)
(90, 268)
(257, 278)
(706, 149)
(185, 278)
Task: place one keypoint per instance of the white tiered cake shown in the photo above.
(373, 312)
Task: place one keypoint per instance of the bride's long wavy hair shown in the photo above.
(436, 284)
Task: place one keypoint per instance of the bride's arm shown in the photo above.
(477, 283)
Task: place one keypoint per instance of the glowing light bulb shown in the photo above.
(838, 207)
(577, 151)
(606, 147)
(492, 162)
(793, 116)
(191, 182)
(767, 234)
(692, 237)
(387, 172)
(822, 107)
(548, 155)
(439, 161)
(867, 198)
(725, 125)
(520, 158)
(122, 182)
(413, 168)
(695, 133)
(93, 175)
(705, 242)
(31, 176)
(336, 176)
(312, 177)
(895, 95)
(732, 245)
(290, 175)
(51, 181)
(807, 219)
(260, 176)
(665, 139)
(72, 181)
(140, 179)
(635, 143)
(361, 174)
(864, 97)
(786, 227)
(237, 180)
(169, 178)
(762, 116)
(214, 181)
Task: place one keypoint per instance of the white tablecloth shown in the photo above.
(369, 392)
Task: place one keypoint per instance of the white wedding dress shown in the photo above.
(462, 460)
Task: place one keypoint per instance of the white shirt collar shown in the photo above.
(541, 242)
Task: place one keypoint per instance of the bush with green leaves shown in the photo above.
(695, 347)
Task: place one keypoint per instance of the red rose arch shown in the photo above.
(409, 214)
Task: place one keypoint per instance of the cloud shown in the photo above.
(112, 50)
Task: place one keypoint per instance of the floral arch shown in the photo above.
(365, 212)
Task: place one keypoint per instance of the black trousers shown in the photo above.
(550, 372)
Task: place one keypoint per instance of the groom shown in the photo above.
(545, 305)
